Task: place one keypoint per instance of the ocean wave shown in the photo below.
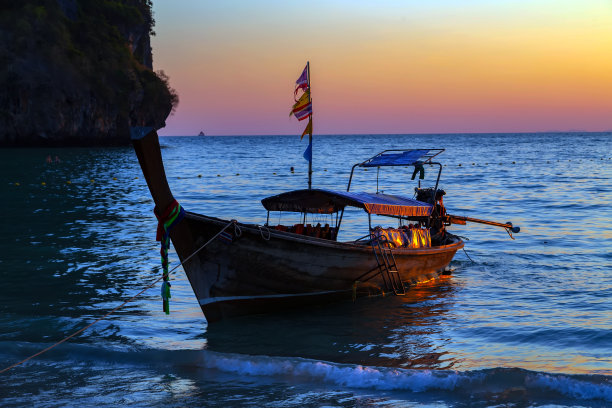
(597, 388)
(488, 385)
(494, 381)
(353, 376)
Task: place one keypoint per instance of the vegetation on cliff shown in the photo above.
(78, 72)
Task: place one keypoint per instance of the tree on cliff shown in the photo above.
(78, 72)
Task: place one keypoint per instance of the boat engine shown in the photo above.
(426, 194)
(438, 220)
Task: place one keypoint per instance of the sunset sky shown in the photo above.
(387, 66)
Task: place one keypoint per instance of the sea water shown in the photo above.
(524, 322)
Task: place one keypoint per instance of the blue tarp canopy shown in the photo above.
(328, 201)
(405, 158)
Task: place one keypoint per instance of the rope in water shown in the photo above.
(466, 254)
(149, 286)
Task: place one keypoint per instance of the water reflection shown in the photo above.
(405, 331)
(64, 257)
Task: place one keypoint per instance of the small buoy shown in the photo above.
(292, 170)
(68, 182)
(218, 175)
(324, 169)
(237, 174)
(274, 174)
(16, 184)
(179, 177)
(459, 164)
(486, 164)
(114, 178)
(473, 164)
(513, 162)
(199, 176)
(136, 178)
(43, 183)
(92, 180)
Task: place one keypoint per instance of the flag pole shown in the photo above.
(310, 134)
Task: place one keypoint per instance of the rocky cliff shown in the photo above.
(78, 72)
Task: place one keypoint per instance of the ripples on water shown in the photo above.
(530, 321)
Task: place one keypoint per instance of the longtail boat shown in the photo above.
(238, 269)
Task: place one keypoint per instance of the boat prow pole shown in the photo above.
(148, 151)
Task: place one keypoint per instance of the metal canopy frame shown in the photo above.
(428, 156)
(431, 153)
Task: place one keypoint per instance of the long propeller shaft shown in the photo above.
(457, 219)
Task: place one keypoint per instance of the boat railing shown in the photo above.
(366, 239)
(317, 231)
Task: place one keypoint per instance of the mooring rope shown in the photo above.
(149, 286)
(237, 230)
(466, 254)
(261, 231)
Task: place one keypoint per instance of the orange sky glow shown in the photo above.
(387, 66)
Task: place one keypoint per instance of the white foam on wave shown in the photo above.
(572, 387)
(353, 376)
(399, 379)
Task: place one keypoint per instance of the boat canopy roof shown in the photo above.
(329, 201)
(401, 157)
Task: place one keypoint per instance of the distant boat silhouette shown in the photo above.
(201, 134)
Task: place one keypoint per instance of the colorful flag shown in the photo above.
(226, 237)
(303, 112)
(308, 130)
(302, 109)
(303, 79)
(298, 88)
(302, 82)
(301, 103)
(308, 152)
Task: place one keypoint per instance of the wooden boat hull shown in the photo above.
(263, 270)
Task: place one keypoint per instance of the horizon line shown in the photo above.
(404, 134)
